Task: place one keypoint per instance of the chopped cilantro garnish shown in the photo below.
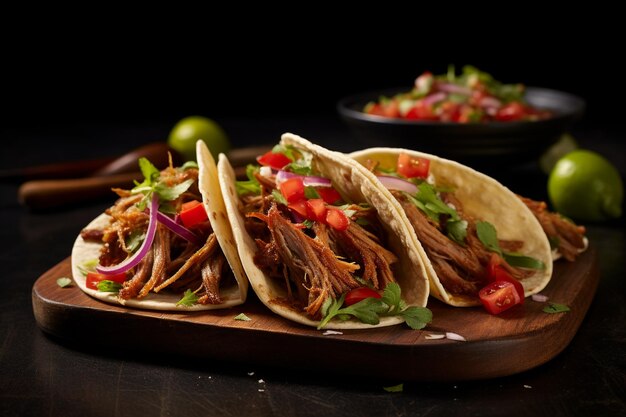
(310, 193)
(280, 199)
(152, 185)
(87, 266)
(553, 308)
(370, 310)
(394, 388)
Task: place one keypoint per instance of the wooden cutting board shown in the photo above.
(514, 341)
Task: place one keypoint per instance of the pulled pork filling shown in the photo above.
(462, 270)
(565, 236)
(172, 263)
(318, 262)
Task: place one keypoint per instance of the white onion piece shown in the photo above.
(308, 181)
(455, 336)
(395, 183)
(434, 98)
(434, 336)
(179, 229)
(540, 298)
(265, 172)
(128, 263)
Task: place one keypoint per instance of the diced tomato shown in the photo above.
(413, 167)
(450, 112)
(274, 160)
(359, 294)
(511, 112)
(375, 109)
(337, 219)
(316, 209)
(292, 189)
(93, 278)
(300, 207)
(497, 272)
(192, 213)
(391, 109)
(421, 111)
(499, 296)
(328, 194)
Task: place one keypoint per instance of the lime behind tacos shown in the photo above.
(192, 264)
(298, 263)
(464, 221)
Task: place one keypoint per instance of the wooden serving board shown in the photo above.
(516, 340)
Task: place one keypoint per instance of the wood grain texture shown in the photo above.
(514, 341)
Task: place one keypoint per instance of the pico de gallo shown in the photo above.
(472, 97)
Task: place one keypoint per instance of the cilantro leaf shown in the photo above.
(279, 197)
(134, 240)
(457, 230)
(242, 317)
(310, 193)
(553, 308)
(149, 171)
(64, 282)
(166, 193)
(189, 165)
(189, 299)
(417, 317)
(516, 259)
(391, 296)
(488, 236)
(109, 286)
(251, 186)
(394, 388)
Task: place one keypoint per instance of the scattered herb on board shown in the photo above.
(64, 282)
(553, 308)
(242, 317)
(394, 388)
(189, 299)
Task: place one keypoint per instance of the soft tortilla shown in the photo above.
(83, 251)
(483, 198)
(350, 180)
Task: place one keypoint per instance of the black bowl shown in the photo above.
(482, 145)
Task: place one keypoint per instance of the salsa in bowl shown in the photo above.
(483, 144)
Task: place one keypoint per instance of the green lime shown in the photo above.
(585, 186)
(564, 145)
(186, 132)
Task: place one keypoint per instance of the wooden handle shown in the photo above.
(47, 194)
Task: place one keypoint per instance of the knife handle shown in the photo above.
(49, 194)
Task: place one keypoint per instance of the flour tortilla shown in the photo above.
(350, 180)
(483, 198)
(84, 252)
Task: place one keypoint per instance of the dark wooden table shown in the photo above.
(40, 375)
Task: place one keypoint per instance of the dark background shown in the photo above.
(59, 81)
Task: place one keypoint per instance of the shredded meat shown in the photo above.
(311, 264)
(211, 276)
(462, 269)
(172, 263)
(567, 236)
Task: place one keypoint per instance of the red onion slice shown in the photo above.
(179, 229)
(454, 89)
(395, 183)
(434, 98)
(128, 263)
(490, 102)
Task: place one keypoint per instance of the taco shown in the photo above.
(471, 230)
(164, 245)
(318, 240)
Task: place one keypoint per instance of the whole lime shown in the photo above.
(187, 131)
(585, 186)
